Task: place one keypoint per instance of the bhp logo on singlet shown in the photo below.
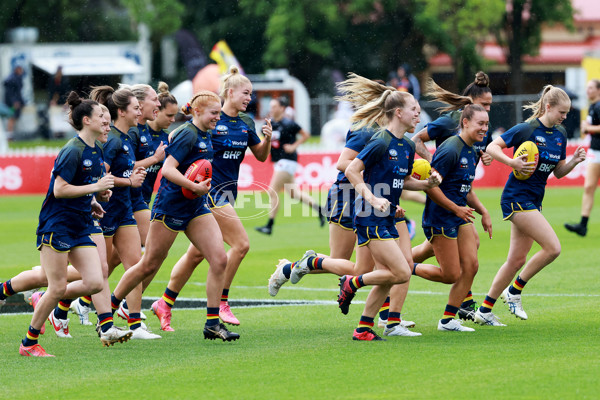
(10, 178)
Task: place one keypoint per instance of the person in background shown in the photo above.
(13, 97)
(58, 88)
(590, 126)
(285, 142)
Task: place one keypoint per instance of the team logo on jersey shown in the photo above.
(126, 148)
(393, 155)
(87, 163)
(222, 130)
(202, 145)
(540, 141)
(143, 139)
(464, 162)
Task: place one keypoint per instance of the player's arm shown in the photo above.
(345, 159)
(261, 150)
(420, 139)
(354, 175)
(170, 172)
(474, 202)
(301, 137)
(64, 190)
(463, 212)
(563, 167)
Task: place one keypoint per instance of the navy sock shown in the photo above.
(105, 321)
(212, 316)
(32, 336)
(6, 290)
(287, 270)
(384, 311)
(62, 309)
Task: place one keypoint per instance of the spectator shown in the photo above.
(405, 81)
(13, 96)
(58, 88)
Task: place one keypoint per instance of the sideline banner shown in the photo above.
(31, 174)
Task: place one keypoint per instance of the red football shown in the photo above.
(199, 171)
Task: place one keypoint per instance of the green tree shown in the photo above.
(521, 31)
(68, 20)
(163, 17)
(457, 27)
(310, 38)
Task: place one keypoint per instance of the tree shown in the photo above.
(521, 30)
(311, 38)
(457, 27)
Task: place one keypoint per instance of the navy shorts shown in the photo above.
(110, 224)
(180, 224)
(448, 233)
(376, 232)
(340, 205)
(97, 230)
(218, 199)
(138, 203)
(508, 209)
(64, 242)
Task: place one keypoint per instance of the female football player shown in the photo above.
(234, 134)
(172, 212)
(521, 200)
(66, 223)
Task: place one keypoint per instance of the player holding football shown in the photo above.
(521, 200)
(448, 214)
(172, 212)
(446, 126)
(234, 134)
(66, 223)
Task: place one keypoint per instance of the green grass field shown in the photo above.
(306, 351)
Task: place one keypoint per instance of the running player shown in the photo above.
(449, 212)
(146, 156)
(173, 213)
(386, 161)
(448, 125)
(234, 134)
(284, 155)
(66, 218)
(521, 200)
(590, 126)
(118, 224)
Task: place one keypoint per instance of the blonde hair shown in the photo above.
(232, 80)
(552, 96)
(200, 100)
(374, 103)
(477, 88)
(139, 90)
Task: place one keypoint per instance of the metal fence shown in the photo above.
(506, 111)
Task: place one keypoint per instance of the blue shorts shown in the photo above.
(64, 242)
(97, 230)
(508, 209)
(340, 205)
(448, 233)
(138, 203)
(110, 223)
(180, 224)
(376, 232)
(218, 199)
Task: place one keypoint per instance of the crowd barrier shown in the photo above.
(30, 173)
